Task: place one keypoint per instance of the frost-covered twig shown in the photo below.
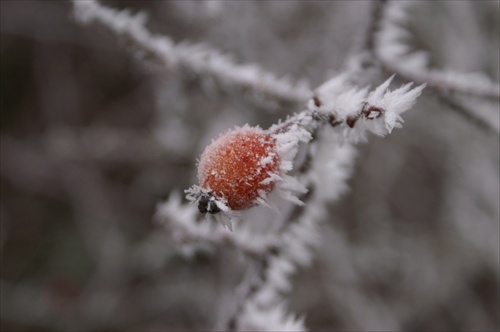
(394, 55)
(343, 111)
(373, 25)
(198, 58)
(352, 111)
(326, 174)
(349, 113)
(489, 125)
(181, 220)
(396, 58)
(269, 278)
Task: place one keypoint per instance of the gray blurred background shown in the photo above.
(94, 135)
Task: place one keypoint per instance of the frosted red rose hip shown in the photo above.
(236, 165)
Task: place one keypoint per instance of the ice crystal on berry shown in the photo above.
(239, 166)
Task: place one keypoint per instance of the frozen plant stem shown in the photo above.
(347, 113)
(257, 280)
(372, 28)
(391, 49)
(468, 114)
(198, 58)
(388, 48)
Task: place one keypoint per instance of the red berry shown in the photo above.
(235, 165)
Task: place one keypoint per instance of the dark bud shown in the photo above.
(213, 208)
(351, 122)
(203, 204)
(333, 121)
(317, 102)
(206, 204)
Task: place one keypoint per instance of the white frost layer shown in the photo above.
(343, 101)
(274, 319)
(287, 145)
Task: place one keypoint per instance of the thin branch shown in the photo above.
(255, 281)
(181, 220)
(198, 58)
(391, 52)
(447, 82)
(373, 25)
(468, 114)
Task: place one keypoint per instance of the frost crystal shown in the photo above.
(356, 112)
(272, 319)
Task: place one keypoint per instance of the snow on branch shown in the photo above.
(353, 111)
(185, 228)
(395, 56)
(326, 178)
(198, 58)
(372, 26)
(392, 50)
(273, 320)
